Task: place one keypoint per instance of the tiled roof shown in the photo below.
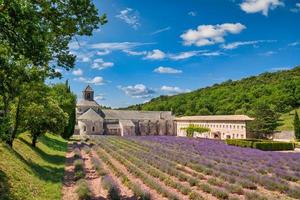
(130, 114)
(88, 103)
(90, 114)
(215, 118)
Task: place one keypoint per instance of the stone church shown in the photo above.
(91, 119)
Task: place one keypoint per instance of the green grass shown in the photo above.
(286, 121)
(32, 173)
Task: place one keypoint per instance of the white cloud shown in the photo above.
(137, 91)
(77, 72)
(192, 13)
(184, 55)
(294, 44)
(167, 70)
(210, 34)
(99, 97)
(103, 53)
(296, 9)
(173, 90)
(101, 64)
(214, 53)
(268, 53)
(160, 30)
(75, 45)
(117, 45)
(235, 45)
(135, 53)
(263, 6)
(155, 54)
(98, 80)
(130, 17)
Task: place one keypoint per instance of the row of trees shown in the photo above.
(34, 38)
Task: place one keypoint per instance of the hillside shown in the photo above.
(32, 173)
(281, 90)
(286, 121)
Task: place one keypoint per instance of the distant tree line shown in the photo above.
(264, 97)
(34, 39)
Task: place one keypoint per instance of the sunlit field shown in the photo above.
(183, 168)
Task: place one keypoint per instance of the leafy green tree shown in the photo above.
(297, 126)
(42, 118)
(36, 34)
(265, 121)
(192, 128)
(67, 101)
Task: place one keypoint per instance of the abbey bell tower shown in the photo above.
(88, 93)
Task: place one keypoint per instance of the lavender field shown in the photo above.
(183, 168)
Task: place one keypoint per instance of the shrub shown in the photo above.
(247, 184)
(265, 145)
(254, 196)
(113, 193)
(78, 164)
(78, 175)
(219, 193)
(195, 196)
(83, 190)
(192, 181)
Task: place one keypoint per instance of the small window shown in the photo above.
(84, 128)
(93, 129)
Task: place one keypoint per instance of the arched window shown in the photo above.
(93, 129)
(84, 128)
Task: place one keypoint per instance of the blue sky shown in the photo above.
(152, 48)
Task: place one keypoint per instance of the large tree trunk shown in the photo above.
(16, 125)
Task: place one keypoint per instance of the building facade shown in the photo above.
(91, 119)
(221, 126)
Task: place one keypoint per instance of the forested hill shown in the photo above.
(280, 90)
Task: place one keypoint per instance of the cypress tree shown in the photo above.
(297, 126)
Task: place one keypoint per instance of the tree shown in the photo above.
(42, 118)
(297, 125)
(36, 34)
(265, 121)
(192, 128)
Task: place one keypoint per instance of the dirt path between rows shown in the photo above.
(92, 178)
(69, 186)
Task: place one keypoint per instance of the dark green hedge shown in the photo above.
(265, 145)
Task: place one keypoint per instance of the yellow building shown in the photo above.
(221, 126)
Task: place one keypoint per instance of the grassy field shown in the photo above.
(32, 173)
(286, 121)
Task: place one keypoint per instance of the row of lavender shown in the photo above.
(272, 171)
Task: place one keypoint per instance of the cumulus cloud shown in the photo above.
(98, 80)
(130, 17)
(235, 45)
(137, 91)
(263, 6)
(101, 64)
(173, 90)
(210, 34)
(155, 54)
(167, 70)
(192, 13)
(77, 72)
(160, 30)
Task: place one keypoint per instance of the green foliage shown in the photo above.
(265, 121)
(280, 90)
(265, 145)
(192, 128)
(297, 125)
(113, 193)
(32, 173)
(83, 191)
